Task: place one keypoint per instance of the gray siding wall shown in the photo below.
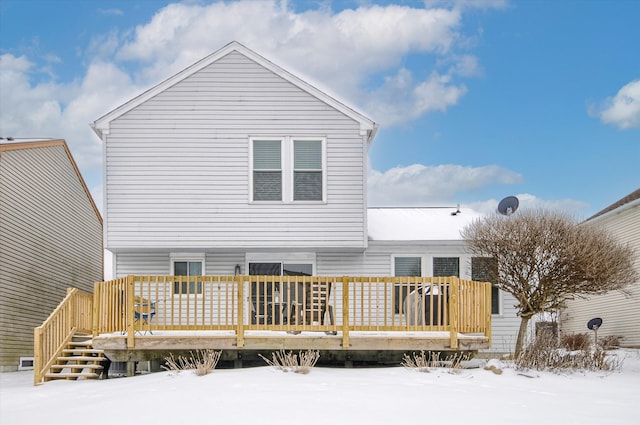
(177, 166)
(619, 311)
(50, 240)
(159, 264)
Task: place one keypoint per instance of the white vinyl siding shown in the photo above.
(178, 174)
(50, 240)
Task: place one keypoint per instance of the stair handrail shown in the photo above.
(72, 315)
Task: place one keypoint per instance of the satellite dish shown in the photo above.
(508, 205)
(594, 323)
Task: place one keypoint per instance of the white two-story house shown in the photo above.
(237, 166)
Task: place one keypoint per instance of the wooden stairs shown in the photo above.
(78, 361)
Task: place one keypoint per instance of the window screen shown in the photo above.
(267, 170)
(307, 170)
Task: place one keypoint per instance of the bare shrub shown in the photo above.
(423, 362)
(203, 362)
(575, 342)
(609, 342)
(544, 354)
(290, 362)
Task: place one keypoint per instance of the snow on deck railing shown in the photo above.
(141, 304)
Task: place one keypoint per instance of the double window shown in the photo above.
(288, 169)
(483, 269)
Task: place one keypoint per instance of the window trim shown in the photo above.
(287, 154)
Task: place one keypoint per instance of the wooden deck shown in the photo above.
(138, 317)
(146, 346)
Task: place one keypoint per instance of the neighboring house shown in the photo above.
(619, 310)
(236, 162)
(50, 240)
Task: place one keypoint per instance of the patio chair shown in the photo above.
(143, 311)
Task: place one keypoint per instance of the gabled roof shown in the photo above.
(366, 124)
(633, 196)
(4, 147)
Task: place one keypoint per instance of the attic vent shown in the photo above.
(26, 363)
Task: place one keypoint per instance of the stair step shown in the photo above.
(81, 358)
(70, 375)
(88, 343)
(76, 366)
(81, 351)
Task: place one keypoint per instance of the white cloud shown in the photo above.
(419, 184)
(400, 100)
(64, 111)
(345, 51)
(623, 110)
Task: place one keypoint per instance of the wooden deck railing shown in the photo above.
(72, 315)
(140, 304)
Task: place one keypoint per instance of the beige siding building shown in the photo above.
(619, 311)
(50, 240)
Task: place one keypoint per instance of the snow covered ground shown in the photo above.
(392, 395)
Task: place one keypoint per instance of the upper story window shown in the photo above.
(288, 169)
(307, 170)
(267, 170)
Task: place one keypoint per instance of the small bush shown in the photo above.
(575, 342)
(609, 342)
(544, 354)
(423, 362)
(287, 361)
(203, 361)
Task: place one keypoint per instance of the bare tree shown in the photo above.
(544, 259)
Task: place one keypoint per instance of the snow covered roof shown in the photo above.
(418, 224)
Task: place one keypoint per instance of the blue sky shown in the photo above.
(476, 100)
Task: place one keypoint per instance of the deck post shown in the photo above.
(345, 312)
(454, 309)
(95, 310)
(489, 308)
(37, 356)
(130, 328)
(240, 324)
